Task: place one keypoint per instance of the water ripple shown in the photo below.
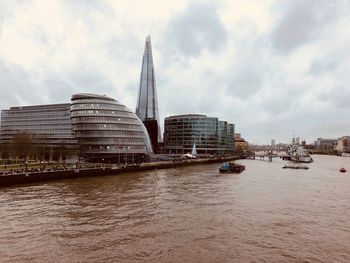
(190, 214)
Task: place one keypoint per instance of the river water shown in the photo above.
(189, 214)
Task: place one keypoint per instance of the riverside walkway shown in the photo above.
(10, 177)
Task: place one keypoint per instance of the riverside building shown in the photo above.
(95, 127)
(209, 134)
(50, 123)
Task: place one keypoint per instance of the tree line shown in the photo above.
(30, 146)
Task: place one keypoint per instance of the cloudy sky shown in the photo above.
(274, 68)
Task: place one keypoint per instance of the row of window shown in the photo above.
(42, 114)
(29, 122)
(105, 135)
(110, 140)
(102, 113)
(79, 120)
(96, 101)
(98, 106)
(36, 128)
(67, 133)
(112, 147)
(114, 127)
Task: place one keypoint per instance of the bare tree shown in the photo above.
(22, 145)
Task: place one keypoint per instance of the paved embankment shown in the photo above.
(33, 177)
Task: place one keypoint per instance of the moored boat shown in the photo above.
(296, 167)
(297, 153)
(231, 168)
(301, 156)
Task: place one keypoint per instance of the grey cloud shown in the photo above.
(339, 98)
(343, 100)
(198, 28)
(85, 11)
(58, 88)
(83, 7)
(250, 67)
(127, 48)
(89, 79)
(245, 82)
(283, 99)
(260, 91)
(4, 12)
(302, 22)
(21, 87)
(17, 86)
(323, 66)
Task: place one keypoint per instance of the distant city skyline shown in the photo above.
(274, 68)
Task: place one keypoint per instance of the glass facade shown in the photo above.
(147, 103)
(96, 127)
(210, 135)
(50, 124)
(106, 130)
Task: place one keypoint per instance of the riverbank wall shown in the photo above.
(42, 176)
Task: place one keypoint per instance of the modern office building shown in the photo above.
(147, 104)
(95, 127)
(210, 135)
(50, 124)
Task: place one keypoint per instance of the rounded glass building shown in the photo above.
(107, 131)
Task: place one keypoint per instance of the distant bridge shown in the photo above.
(268, 153)
(266, 149)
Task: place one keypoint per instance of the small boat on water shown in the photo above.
(291, 166)
(342, 170)
(231, 168)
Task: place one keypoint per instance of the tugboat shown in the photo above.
(231, 168)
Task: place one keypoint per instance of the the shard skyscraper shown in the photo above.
(147, 104)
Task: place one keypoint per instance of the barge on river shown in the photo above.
(231, 168)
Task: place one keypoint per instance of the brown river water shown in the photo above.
(189, 214)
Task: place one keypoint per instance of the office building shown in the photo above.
(210, 135)
(95, 127)
(49, 125)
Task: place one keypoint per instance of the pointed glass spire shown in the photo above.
(147, 103)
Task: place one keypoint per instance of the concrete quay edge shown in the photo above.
(37, 177)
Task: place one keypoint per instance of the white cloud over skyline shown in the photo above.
(274, 68)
